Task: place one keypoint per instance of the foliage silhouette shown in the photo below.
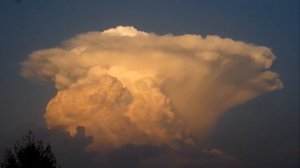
(29, 152)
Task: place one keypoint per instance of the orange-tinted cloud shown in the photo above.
(128, 86)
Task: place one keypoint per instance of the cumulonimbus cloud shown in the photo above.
(131, 87)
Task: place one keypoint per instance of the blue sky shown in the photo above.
(261, 132)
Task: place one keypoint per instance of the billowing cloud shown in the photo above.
(131, 87)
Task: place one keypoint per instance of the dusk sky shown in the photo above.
(141, 84)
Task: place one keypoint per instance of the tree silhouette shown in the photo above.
(29, 152)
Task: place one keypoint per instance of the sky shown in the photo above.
(259, 130)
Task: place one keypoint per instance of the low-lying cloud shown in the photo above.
(131, 87)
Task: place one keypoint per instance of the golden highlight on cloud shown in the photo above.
(127, 86)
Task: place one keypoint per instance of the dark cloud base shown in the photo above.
(71, 152)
